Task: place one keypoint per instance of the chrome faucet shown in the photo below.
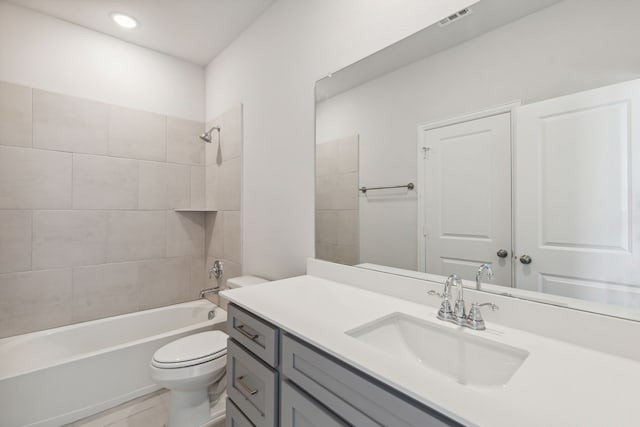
(216, 271)
(458, 314)
(482, 269)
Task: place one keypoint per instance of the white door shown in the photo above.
(578, 195)
(467, 196)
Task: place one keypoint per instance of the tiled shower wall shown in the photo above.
(337, 214)
(87, 192)
(223, 183)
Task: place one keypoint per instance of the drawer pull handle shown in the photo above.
(246, 333)
(240, 381)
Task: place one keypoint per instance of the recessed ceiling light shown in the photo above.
(123, 20)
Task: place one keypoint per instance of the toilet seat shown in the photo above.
(191, 350)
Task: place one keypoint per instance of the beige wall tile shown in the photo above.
(346, 254)
(327, 227)
(183, 141)
(137, 134)
(325, 191)
(67, 123)
(231, 134)
(69, 238)
(185, 234)
(164, 186)
(198, 276)
(34, 300)
(348, 155)
(198, 191)
(164, 282)
(15, 241)
(327, 158)
(230, 185)
(15, 115)
(104, 290)
(325, 251)
(348, 227)
(104, 182)
(346, 193)
(34, 179)
(136, 235)
(214, 237)
(231, 235)
(212, 187)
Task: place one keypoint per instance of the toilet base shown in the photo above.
(188, 408)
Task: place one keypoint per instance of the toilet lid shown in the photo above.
(191, 350)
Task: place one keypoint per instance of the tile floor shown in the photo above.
(151, 410)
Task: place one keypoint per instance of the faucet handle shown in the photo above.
(474, 319)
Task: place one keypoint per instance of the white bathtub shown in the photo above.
(53, 377)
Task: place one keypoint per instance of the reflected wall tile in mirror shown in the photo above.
(325, 191)
(327, 158)
(346, 192)
(327, 226)
(348, 155)
(347, 227)
(15, 115)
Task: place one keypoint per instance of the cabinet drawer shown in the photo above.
(234, 417)
(252, 385)
(356, 398)
(253, 333)
(298, 410)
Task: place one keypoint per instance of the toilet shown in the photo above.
(193, 368)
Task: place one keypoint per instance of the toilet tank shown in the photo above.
(239, 282)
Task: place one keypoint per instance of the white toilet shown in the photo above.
(193, 368)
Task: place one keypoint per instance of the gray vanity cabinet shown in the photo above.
(299, 410)
(309, 388)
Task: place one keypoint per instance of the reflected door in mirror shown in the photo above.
(467, 198)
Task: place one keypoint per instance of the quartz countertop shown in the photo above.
(558, 384)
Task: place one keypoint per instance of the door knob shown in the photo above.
(525, 259)
(502, 253)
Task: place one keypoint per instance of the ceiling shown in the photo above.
(193, 30)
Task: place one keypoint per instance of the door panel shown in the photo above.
(576, 194)
(468, 197)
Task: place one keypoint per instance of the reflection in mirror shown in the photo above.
(519, 125)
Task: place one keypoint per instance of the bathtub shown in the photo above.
(53, 377)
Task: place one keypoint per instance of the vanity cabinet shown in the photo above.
(305, 386)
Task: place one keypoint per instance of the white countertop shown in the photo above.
(558, 384)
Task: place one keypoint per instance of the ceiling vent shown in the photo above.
(455, 17)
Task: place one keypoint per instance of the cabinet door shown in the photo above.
(297, 410)
(235, 417)
(359, 400)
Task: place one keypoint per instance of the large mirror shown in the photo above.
(506, 134)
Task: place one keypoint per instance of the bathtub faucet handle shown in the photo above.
(216, 270)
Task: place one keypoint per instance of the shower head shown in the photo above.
(206, 137)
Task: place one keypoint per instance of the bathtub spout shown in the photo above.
(205, 292)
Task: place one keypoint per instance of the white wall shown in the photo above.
(547, 54)
(271, 69)
(46, 53)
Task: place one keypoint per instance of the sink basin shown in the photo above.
(454, 352)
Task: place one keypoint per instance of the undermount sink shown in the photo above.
(466, 358)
